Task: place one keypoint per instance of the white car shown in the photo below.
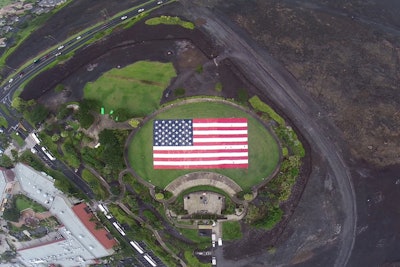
(159, 2)
(60, 47)
(59, 53)
(79, 37)
(11, 80)
(140, 10)
(124, 17)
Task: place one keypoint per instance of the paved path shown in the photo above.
(203, 178)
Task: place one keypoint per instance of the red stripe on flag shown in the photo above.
(220, 128)
(221, 166)
(155, 151)
(208, 120)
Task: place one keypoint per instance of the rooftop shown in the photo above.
(84, 214)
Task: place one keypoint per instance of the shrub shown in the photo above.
(218, 87)
(258, 105)
(179, 91)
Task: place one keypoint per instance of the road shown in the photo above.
(11, 86)
(279, 86)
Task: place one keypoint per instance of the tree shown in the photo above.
(4, 140)
(6, 162)
(38, 113)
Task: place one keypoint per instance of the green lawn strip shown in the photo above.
(3, 122)
(4, 108)
(193, 234)
(170, 21)
(4, 3)
(18, 139)
(95, 184)
(71, 158)
(193, 261)
(263, 149)
(22, 202)
(137, 88)
(231, 230)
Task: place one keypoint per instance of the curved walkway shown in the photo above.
(203, 178)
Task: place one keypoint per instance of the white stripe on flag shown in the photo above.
(232, 132)
(219, 124)
(226, 139)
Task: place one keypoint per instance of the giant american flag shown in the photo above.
(200, 143)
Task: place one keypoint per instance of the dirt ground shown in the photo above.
(348, 64)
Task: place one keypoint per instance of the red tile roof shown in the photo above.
(82, 211)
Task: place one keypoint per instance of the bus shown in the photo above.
(136, 246)
(35, 138)
(104, 210)
(47, 153)
(119, 229)
(150, 260)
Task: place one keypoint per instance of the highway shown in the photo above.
(11, 86)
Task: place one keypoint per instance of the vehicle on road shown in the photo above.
(124, 17)
(60, 47)
(219, 241)
(36, 60)
(47, 153)
(137, 247)
(57, 54)
(11, 80)
(214, 261)
(79, 37)
(150, 260)
(159, 2)
(140, 10)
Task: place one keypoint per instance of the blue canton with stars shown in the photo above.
(173, 132)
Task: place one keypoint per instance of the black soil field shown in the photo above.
(70, 20)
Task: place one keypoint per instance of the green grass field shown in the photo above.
(263, 149)
(99, 191)
(137, 87)
(22, 203)
(4, 3)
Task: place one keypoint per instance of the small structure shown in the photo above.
(204, 202)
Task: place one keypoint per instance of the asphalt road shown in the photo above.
(280, 87)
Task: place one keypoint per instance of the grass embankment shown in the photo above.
(137, 87)
(231, 230)
(263, 149)
(94, 183)
(168, 20)
(267, 215)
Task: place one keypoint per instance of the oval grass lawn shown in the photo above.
(263, 149)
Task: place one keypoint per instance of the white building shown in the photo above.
(77, 243)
